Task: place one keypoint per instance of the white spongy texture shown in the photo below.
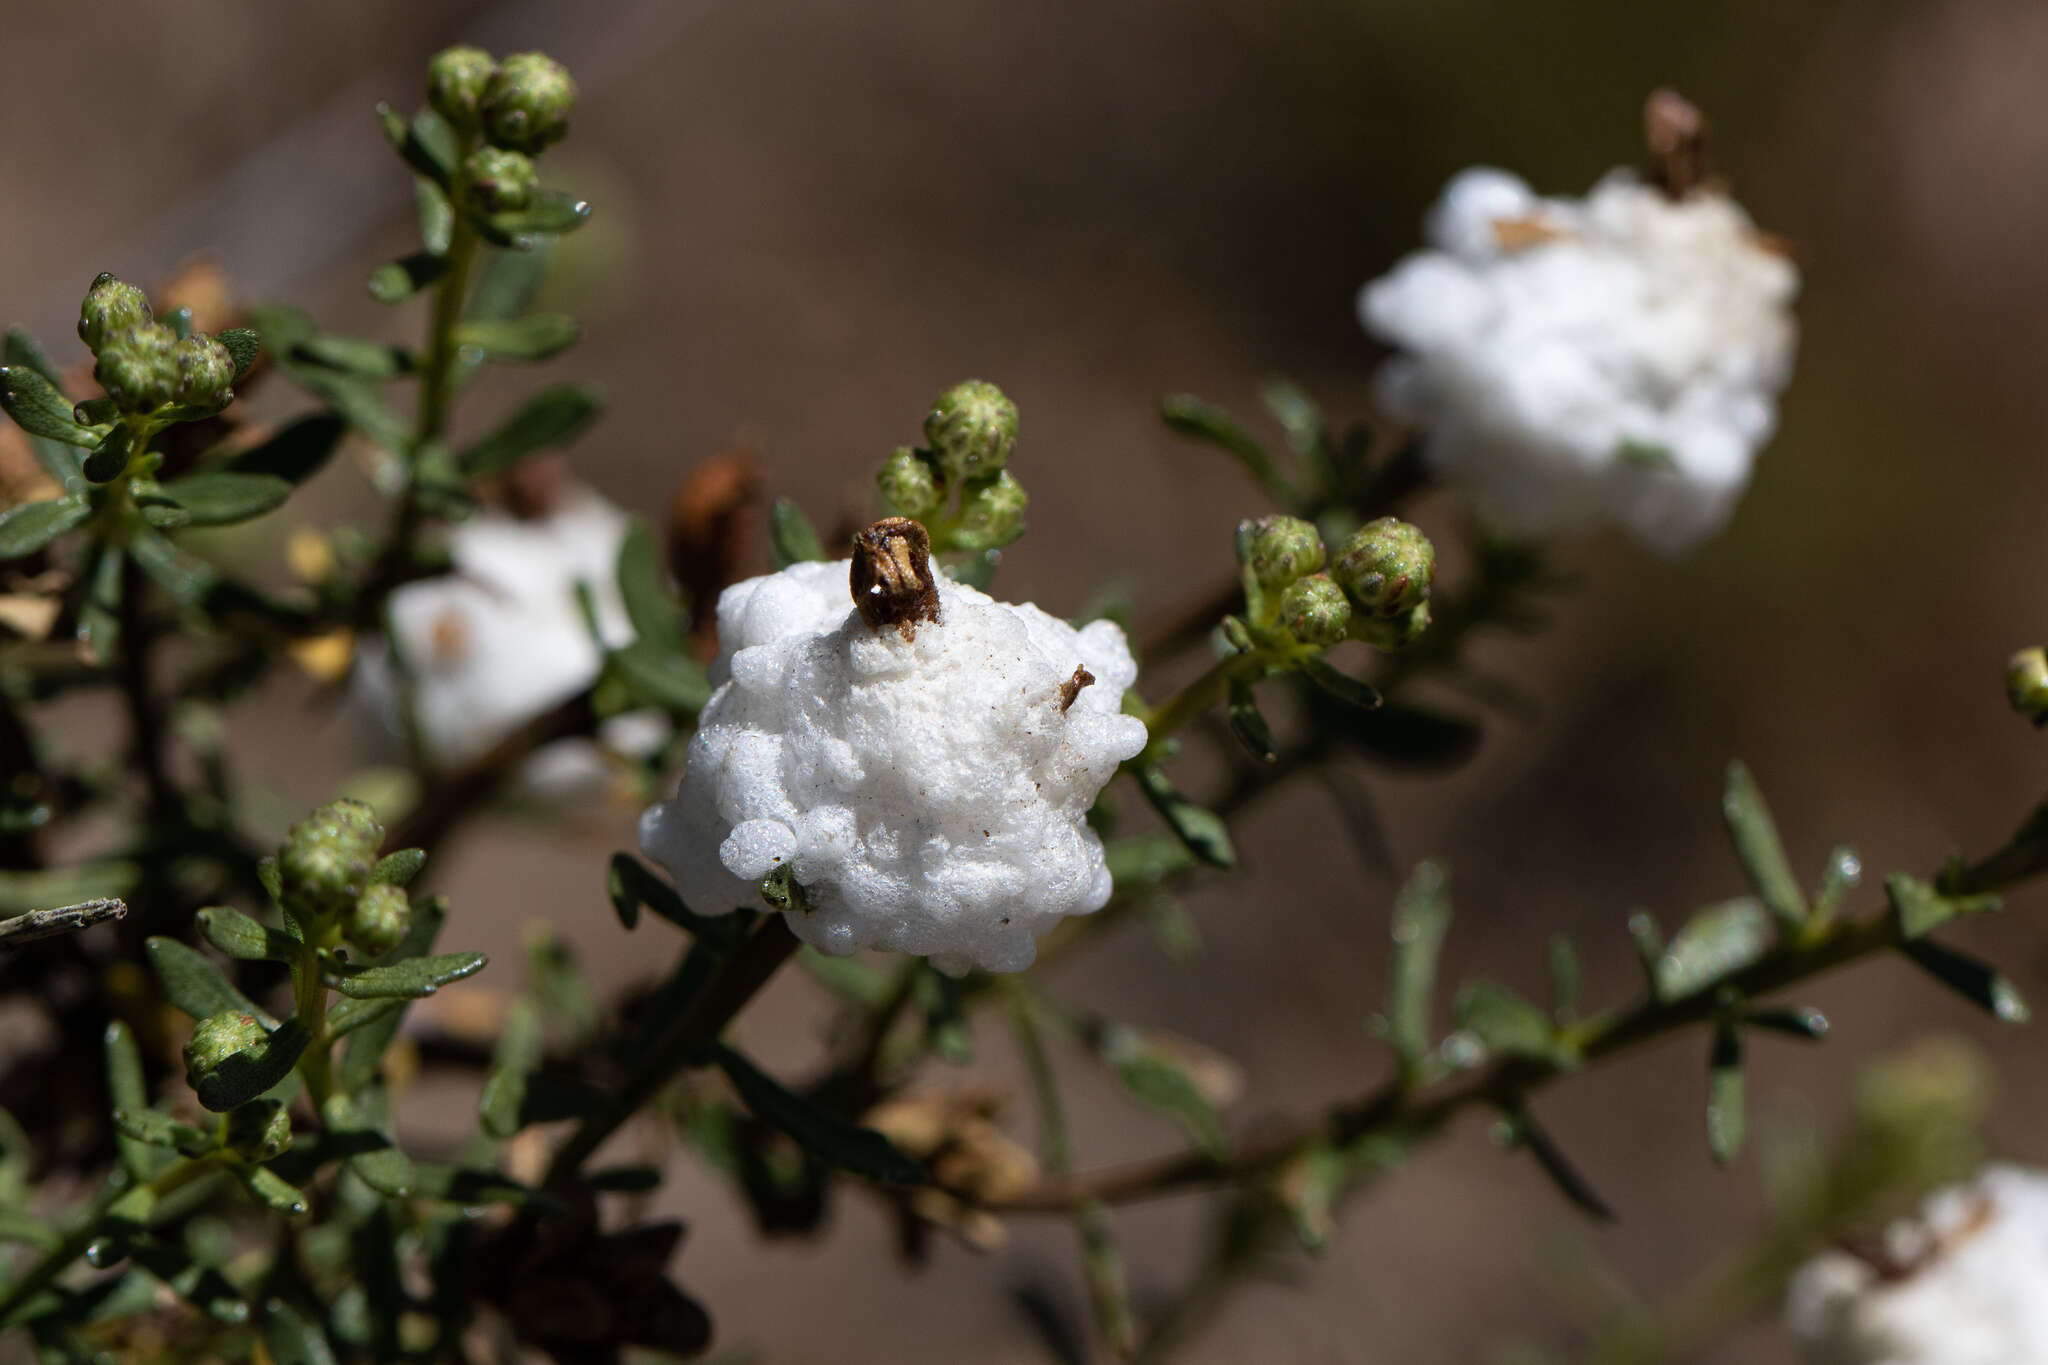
(1615, 358)
(1976, 1291)
(500, 639)
(928, 793)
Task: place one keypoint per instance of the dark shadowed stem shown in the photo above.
(145, 713)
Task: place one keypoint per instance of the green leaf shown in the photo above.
(510, 281)
(399, 280)
(39, 409)
(551, 417)
(669, 681)
(398, 868)
(657, 619)
(1187, 415)
(242, 345)
(1523, 1131)
(1422, 915)
(1506, 1023)
(374, 1159)
(201, 1285)
(1341, 685)
(1918, 907)
(796, 540)
(22, 349)
(1714, 944)
(826, 1136)
(96, 412)
(534, 337)
(1564, 979)
(296, 453)
(847, 977)
(411, 979)
(291, 1339)
(247, 1074)
(945, 1022)
(128, 1089)
(1843, 873)
(1154, 1080)
(380, 1019)
(355, 356)
(1725, 1122)
(435, 214)
(549, 213)
(1983, 986)
(1297, 415)
(243, 938)
(149, 1129)
(1249, 726)
(29, 527)
(517, 1057)
(1202, 831)
(186, 577)
(1756, 843)
(221, 497)
(179, 320)
(113, 455)
(1145, 860)
(426, 143)
(193, 984)
(1649, 944)
(273, 1190)
(349, 1015)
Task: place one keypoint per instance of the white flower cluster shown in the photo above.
(500, 639)
(1613, 358)
(927, 789)
(1971, 1286)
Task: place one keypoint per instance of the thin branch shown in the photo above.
(69, 919)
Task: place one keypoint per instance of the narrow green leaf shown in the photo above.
(1564, 979)
(1755, 836)
(534, 337)
(128, 1090)
(349, 1015)
(221, 497)
(1843, 873)
(427, 148)
(24, 350)
(112, 457)
(96, 412)
(1154, 1080)
(398, 868)
(945, 1021)
(243, 938)
(1714, 944)
(357, 1125)
(1918, 907)
(273, 1190)
(551, 417)
(39, 409)
(396, 281)
(1202, 831)
(1297, 415)
(1340, 684)
(1726, 1124)
(1187, 415)
(672, 682)
(354, 356)
(796, 540)
(1422, 915)
(291, 1339)
(203, 1286)
(510, 281)
(179, 320)
(380, 1019)
(435, 214)
(847, 977)
(826, 1136)
(148, 1129)
(99, 622)
(1249, 726)
(1803, 1022)
(1505, 1022)
(33, 525)
(1982, 985)
(1523, 1131)
(296, 453)
(1145, 860)
(243, 345)
(656, 617)
(549, 213)
(411, 979)
(193, 984)
(187, 578)
(245, 1075)
(518, 1056)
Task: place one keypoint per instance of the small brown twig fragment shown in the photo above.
(1675, 132)
(892, 579)
(1071, 688)
(38, 924)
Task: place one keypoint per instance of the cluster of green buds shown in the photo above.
(146, 365)
(327, 879)
(970, 434)
(509, 111)
(1376, 589)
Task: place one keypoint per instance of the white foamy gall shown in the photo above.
(1962, 1284)
(926, 786)
(500, 639)
(1615, 358)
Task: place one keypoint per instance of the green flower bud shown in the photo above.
(219, 1037)
(259, 1130)
(972, 429)
(992, 514)
(1387, 567)
(456, 80)
(1277, 550)
(379, 919)
(327, 857)
(139, 367)
(500, 181)
(1315, 610)
(2026, 684)
(527, 102)
(111, 306)
(906, 484)
(206, 372)
(1393, 633)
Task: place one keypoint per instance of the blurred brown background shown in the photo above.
(813, 215)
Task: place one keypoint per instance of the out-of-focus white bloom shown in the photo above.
(1971, 1287)
(1612, 358)
(926, 790)
(501, 639)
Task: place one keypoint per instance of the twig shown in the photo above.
(68, 919)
